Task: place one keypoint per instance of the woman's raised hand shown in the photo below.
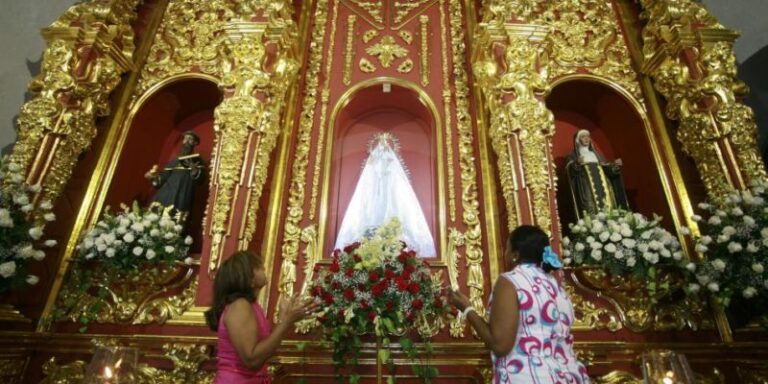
(296, 309)
(458, 300)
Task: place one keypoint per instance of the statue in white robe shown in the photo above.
(384, 191)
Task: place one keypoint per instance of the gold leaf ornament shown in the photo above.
(387, 50)
(406, 66)
(366, 66)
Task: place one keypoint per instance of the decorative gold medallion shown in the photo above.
(387, 50)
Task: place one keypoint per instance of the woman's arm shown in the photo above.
(499, 336)
(243, 330)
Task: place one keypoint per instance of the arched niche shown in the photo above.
(618, 131)
(156, 126)
(361, 113)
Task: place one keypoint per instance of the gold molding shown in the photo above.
(324, 99)
(295, 209)
(470, 206)
(424, 21)
(447, 113)
(349, 49)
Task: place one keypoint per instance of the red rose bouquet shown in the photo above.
(377, 287)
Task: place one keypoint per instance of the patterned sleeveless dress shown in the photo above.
(543, 351)
(229, 368)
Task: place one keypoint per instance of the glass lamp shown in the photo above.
(666, 367)
(112, 365)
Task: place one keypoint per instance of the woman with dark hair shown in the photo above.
(529, 332)
(246, 338)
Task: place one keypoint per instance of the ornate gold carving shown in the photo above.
(424, 20)
(403, 8)
(497, 12)
(524, 124)
(447, 112)
(349, 53)
(406, 36)
(366, 66)
(589, 316)
(283, 73)
(131, 299)
(370, 35)
(290, 247)
(374, 8)
(190, 39)
(192, 36)
(89, 48)
(636, 310)
(234, 120)
(247, 124)
(12, 370)
(406, 66)
(487, 374)
(585, 35)
(690, 57)
(470, 206)
(186, 358)
(455, 240)
(617, 377)
(323, 115)
(312, 255)
(387, 50)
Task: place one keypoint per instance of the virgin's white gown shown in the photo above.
(383, 192)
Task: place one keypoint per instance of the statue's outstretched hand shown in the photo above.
(152, 173)
(618, 162)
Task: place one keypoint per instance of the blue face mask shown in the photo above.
(550, 257)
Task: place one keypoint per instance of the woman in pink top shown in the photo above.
(246, 338)
(529, 332)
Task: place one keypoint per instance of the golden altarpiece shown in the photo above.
(486, 97)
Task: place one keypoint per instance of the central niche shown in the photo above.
(364, 114)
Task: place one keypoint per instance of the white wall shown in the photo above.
(21, 48)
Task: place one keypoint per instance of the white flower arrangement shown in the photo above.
(734, 241)
(622, 242)
(135, 236)
(21, 227)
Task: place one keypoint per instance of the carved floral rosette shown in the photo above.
(152, 293)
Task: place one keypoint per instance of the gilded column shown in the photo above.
(521, 126)
(246, 124)
(89, 47)
(690, 57)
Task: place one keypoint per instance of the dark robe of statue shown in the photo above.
(596, 184)
(176, 182)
